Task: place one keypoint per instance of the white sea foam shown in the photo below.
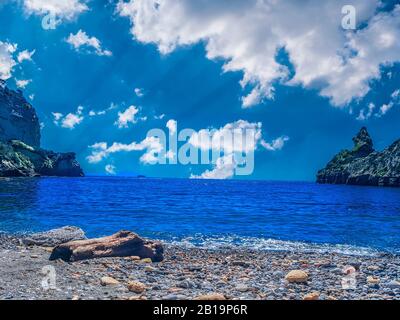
(231, 242)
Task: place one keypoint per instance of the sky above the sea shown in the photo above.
(102, 73)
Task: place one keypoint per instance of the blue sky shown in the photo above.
(205, 67)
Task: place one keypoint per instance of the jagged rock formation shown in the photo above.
(18, 119)
(363, 165)
(20, 152)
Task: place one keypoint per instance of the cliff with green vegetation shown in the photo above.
(363, 165)
(20, 152)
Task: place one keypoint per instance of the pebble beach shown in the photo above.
(198, 273)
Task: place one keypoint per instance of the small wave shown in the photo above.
(230, 242)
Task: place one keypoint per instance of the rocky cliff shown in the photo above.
(20, 152)
(363, 165)
(18, 120)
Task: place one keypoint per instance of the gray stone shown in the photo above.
(186, 284)
(242, 287)
(393, 284)
(55, 237)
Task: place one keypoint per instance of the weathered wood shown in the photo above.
(121, 244)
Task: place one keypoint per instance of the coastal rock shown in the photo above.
(121, 244)
(363, 165)
(55, 237)
(18, 119)
(20, 152)
(296, 276)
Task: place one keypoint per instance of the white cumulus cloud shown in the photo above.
(240, 137)
(71, 120)
(90, 44)
(139, 92)
(22, 83)
(101, 150)
(128, 116)
(339, 63)
(110, 169)
(172, 126)
(7, 62)
(276, 144)
(66, 9)
(224, 169)
(25, 55)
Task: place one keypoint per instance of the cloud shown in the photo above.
(7, 62)
(206, 139)
(247, 137)
(22, 83)
(276, 144)
(365, 114)
(90, 44)
(340, 64)
(101, 150)
(25, 55)
(57, 117)
(159, 117)
(110, 169)
(139, 92)
(172, 126)
(93, 113)
(224, 169)
(71, 120)
(66, 9)
(396, 95)
(385, 108)
(128, 116)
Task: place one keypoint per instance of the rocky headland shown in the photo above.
(20, 152)
(182, 273)
(363, 165)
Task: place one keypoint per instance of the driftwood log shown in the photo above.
(121, 244)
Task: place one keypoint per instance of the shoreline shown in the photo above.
(188, 273)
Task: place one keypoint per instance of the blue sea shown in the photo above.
(257, 214)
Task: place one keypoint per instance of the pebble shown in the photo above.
(349, 270)
(146, 260)
(202, 274)
(373, 268)
(242, 287)
(171, 297)
(150, 269)
(136, 286)
(393, 284)
(312, 296)
(297, 276)
(186, 284)
(373, 280)
(212, 296)
(108, 281)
